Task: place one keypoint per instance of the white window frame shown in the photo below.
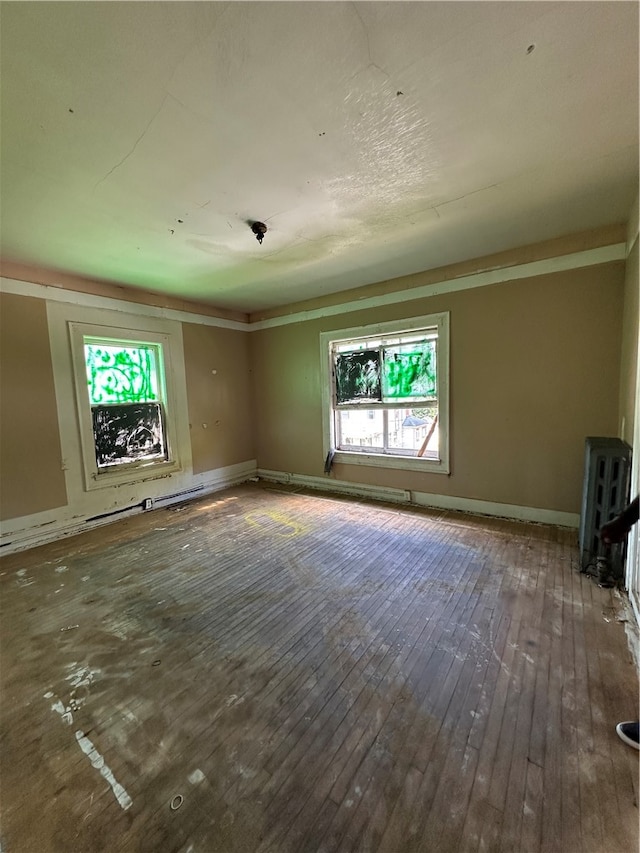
(94, 477)
(438, 322)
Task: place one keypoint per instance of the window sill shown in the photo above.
(131, 474)
(379, 460)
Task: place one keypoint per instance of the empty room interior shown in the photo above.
(319, 379)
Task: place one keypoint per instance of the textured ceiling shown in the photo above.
(374, 139)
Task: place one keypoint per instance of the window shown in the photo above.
(126, 396)
(126, 417)
(386, 394)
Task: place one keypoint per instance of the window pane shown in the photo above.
(121, 374)
(409, 371)
(408, 429)
(131, 432)
(361, 430)
(358, 376)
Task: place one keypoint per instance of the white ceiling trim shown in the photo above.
(90, 300)
(575, 260)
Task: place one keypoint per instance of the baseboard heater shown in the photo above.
(163, 499)
(185, 494)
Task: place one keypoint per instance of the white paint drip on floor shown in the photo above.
(196, 777)
(65, 713)
(81, 680)
(98, 762)
(84, 676)
(60, 569)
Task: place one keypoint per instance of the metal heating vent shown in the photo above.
(605, 494)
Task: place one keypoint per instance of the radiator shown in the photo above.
(605, 493)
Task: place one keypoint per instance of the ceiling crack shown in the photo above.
(366, 31)
(466, 195)
(316, 239)
(135, 145)
(366, 35)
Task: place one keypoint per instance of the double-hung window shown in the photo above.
(386, 394)
(126, 394)
(125, 403)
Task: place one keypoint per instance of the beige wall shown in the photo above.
(535, 368)
(32, 479)
(31, 476)
(629, 354)
(220, 410)
(536, 365)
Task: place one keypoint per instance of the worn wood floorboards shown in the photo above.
(313, 675)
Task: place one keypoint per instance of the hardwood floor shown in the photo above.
(272, 671)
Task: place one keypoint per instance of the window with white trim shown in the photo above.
(386, 394)
(127, 423)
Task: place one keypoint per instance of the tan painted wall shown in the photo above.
(31, 476)
(220, 410)
(629, 353)
(535, 368)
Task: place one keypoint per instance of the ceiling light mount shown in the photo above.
(259, 229)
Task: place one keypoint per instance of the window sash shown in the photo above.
(140, 431)
(383, 449)
(381, 345)
(121, 372)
